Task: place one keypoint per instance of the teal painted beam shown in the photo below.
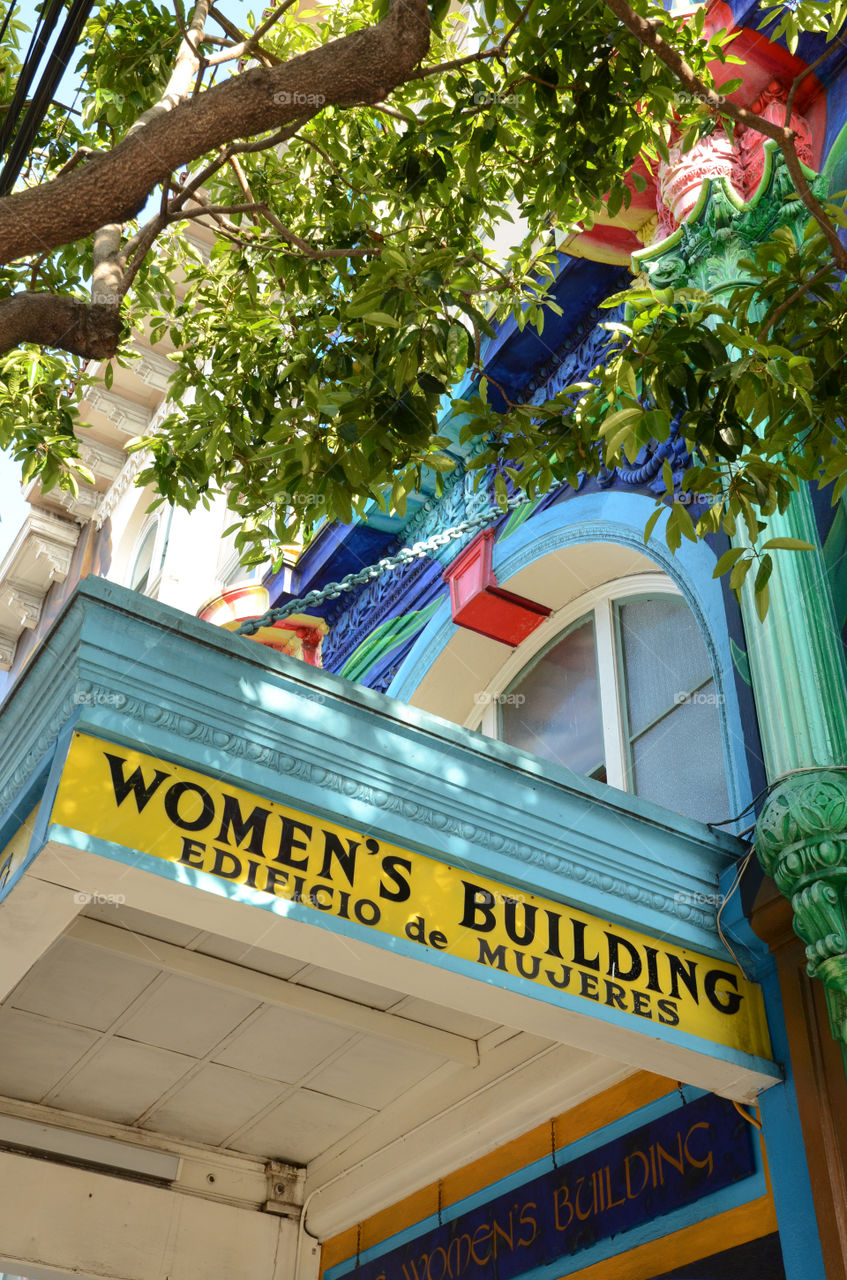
(129, 669)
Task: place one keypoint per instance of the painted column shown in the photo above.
(796, 656)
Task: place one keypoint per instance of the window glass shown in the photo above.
(678, 762)
(663, 742)
(663, 653)
(140, 576)
(673, 739)
(554, 709)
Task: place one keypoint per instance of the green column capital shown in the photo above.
(801, 841)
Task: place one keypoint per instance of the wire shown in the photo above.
(753, 1120)
(812, 768)
(72, 108)
(43, 29)
(34, 116)
(7, 18)
(739, 872)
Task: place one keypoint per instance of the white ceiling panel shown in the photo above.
(374, 1072)
(209, 944)
(338, 984)
(283, 1044)
(73, 984)
(149, 926)
(435, 1015)
(302, 1126)
(213, 1104)
(121, 1081)
(188, 1017)
(35, 1053)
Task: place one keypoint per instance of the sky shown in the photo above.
(13, 508)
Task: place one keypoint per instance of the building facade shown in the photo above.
(483, 919)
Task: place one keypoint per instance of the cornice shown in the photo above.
(173, 687)
(40, 555)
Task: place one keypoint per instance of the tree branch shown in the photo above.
(647, 35)
(356, 70)
(791, 299)
(303, 245)
(496, 51)
(91, 330)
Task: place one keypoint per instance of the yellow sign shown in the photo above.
(184, 817)
(13, 857)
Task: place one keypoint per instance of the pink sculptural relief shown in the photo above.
(680, 180)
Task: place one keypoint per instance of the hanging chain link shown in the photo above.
(416, 552)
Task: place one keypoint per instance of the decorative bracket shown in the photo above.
(285, 1189)
(801, 841)
(480, 604)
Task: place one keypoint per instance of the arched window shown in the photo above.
(623, 693)
(149, 555)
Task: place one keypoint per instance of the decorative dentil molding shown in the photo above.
(153, 369)
(102, 459)
(24, 603)
(126, 415)
(8, 645)
(40, 555)
(56, 556)
(801, 841)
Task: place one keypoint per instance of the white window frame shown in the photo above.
(162, 521)
(599, 602)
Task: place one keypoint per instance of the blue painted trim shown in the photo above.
(781, 1128)
(40, 790)
(616, 517)
(729, 1198)
(175, 871)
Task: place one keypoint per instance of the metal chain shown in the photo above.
(416, 552)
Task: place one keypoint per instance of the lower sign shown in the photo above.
(665, 1165)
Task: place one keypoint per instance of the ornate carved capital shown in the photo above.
(801, 841)
(721, 227)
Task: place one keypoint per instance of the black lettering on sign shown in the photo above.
(724, 1001)
(479, 908)
(288, 843)
(207, 806)
(398, 888)
(134, 784)
(346, 858)
(235, 827)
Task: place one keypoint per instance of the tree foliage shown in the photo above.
(339, 318)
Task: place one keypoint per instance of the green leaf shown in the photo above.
(381, 318)
(787, 544)
(651, 523)
(727, 560)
